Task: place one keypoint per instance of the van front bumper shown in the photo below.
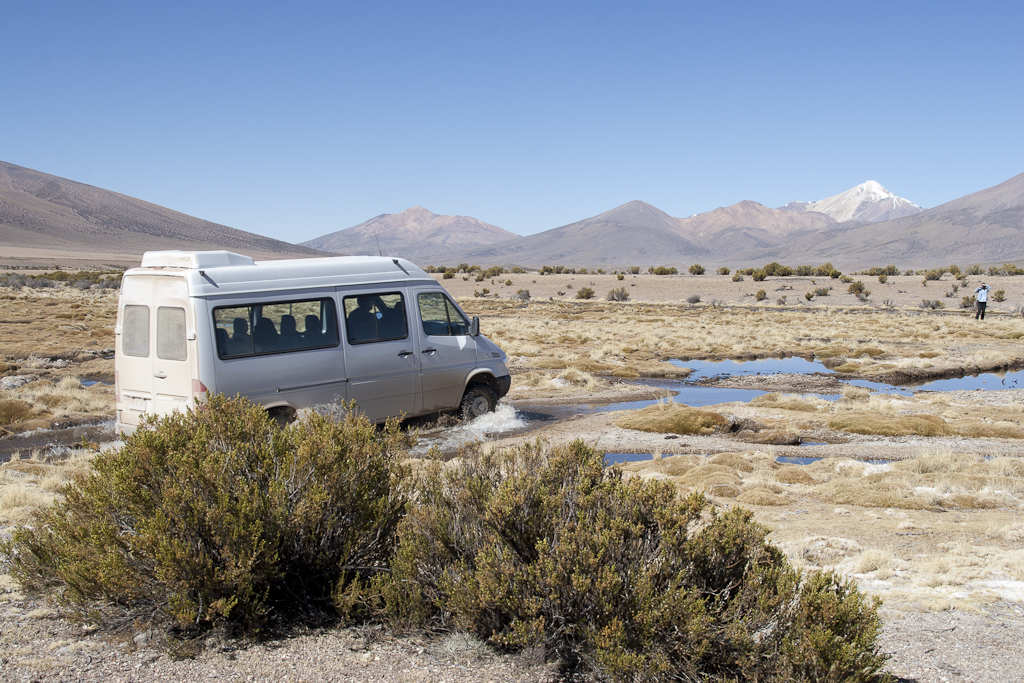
(504, 384)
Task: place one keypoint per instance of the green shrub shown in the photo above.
(508, 282)
(634, 270)
(822, 291)
(537, 547)
(761, 295)
(883, 278)
(219, 515)
(662, 270)
(723, 271)
(516, 270)
(619, 294)
(809, 295)
(696, 269)
(858, 289)
(999, 295)
(775, 269)
(759, 275)
(693, 299)
(620, 277)
(975, 269)
(805, 270)
(585, 293)
(546, 270)
(737, 278)
(967, 302)
(449, 274)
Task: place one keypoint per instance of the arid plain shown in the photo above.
(918, 495)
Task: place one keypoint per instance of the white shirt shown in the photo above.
(982, 293)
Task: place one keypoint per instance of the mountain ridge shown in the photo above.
(42, 214)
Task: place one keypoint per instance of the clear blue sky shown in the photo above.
(298, 119)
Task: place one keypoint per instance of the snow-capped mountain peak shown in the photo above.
(866, 202)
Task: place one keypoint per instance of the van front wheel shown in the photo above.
(478, 400)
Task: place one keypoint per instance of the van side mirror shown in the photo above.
(474, 327)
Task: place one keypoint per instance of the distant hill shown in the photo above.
(867, 202)
(43, 216)
(986, 226)
(637, 232)
(414, 234)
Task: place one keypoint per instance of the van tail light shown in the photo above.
(198, 387)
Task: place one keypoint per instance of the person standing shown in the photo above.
(981, 297)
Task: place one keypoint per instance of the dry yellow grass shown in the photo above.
(863, 422)
(762, 497)
(784, 402)
(670, 418)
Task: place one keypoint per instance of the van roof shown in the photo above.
(224, 272)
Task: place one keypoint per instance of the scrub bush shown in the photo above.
(620, 276)
(761, 295)
(737, 277)
(537, 547)
(697, 269)
(448, 274)
(759, 275)
(967, 302)
(723, 271)
(217, 515)
(999, 295)
(693, 299)
(585, 293)
(619, 294)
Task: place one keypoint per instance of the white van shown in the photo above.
(293, 334)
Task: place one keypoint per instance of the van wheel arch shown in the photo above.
(282, 415)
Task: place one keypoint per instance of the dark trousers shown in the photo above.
(981, 310)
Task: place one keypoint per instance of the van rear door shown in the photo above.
(155, 356)
(381, 360)
(448, 353)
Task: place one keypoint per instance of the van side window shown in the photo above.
(170, 333)
(440, 317)
(135, 331)
(375, 317)
(275, 327)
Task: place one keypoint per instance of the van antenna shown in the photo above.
(379, 253)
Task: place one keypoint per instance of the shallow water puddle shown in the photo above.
(798, 460)
(54, 442)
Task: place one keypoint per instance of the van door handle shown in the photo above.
(403, 354)
(161, 374)
(428, 350)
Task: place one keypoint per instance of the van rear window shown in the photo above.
(275, 327)
(135, 331)
(170, 333)
(375, 317)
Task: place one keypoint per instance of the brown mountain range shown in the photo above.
(637, 232)
(414, 233)
(983, 227)
(46, 219)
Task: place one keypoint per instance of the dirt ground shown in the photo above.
(936, 532)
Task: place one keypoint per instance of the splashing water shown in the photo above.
(503, 419)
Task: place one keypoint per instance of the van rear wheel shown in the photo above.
(478, 400)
